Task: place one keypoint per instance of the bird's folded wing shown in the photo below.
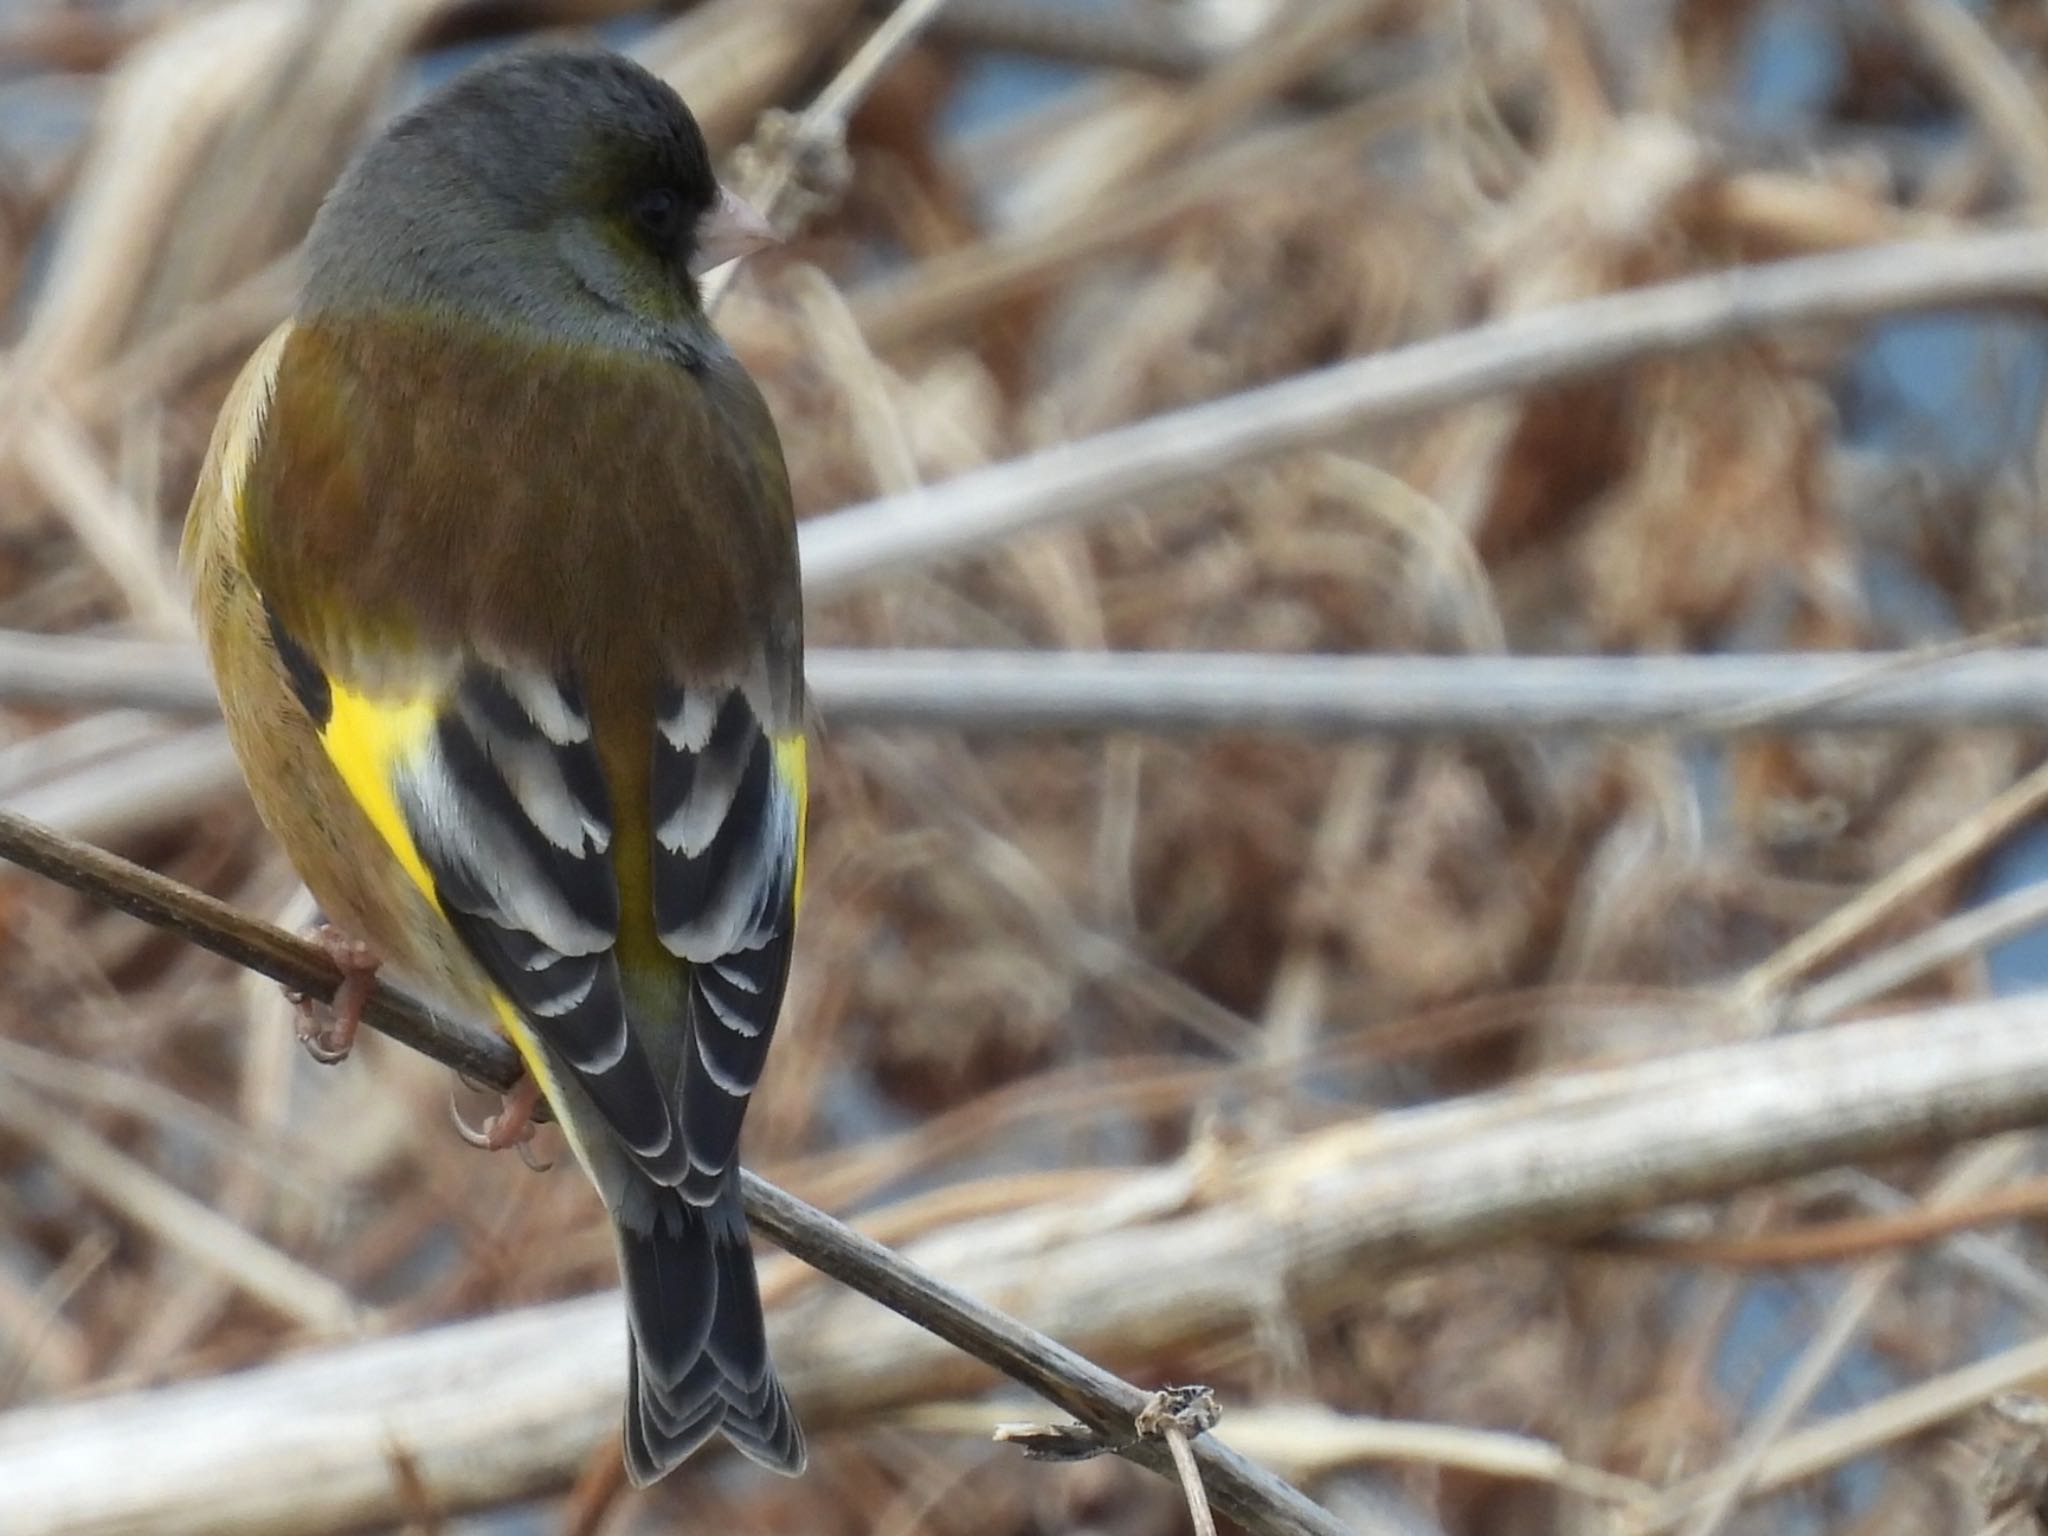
(486, 783)
(728, 819)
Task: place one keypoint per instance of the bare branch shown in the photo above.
(1253, 1497)
(1022, 692)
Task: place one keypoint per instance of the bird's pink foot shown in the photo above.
(511, 1126)
(328, 1032)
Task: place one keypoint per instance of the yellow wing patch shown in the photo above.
(792, 766)
(369, 741)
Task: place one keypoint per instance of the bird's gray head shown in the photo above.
(563, 188)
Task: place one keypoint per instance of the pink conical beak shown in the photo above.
(732, 229)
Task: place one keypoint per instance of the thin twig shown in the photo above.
(1190, 1480)
(1248, 1494)
(1796, 702)
(1767, 980)
(1831, 1443)
(1309, 1440)
(1176, 1415)
(799, 161)
(1952, 939)
(1857, 1237)
(833, 108)
(1991, 1259)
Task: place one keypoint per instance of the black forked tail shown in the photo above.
(699, 1361)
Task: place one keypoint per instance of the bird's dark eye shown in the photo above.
(659, 214)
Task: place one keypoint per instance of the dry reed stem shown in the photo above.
(1952, 939)
(1190, 1480)
(167, 101)
(137, 790)
(1764, 983)
(1831, 1242)
(201, 1233)
(2002, 98)
(734, 59)
(1024, 693)
(942, 290)
(109, 526)
(1833, 1442)
(1065, 485)
(1725, 1487)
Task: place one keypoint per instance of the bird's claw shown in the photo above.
(329, 1039)
(511, 1127)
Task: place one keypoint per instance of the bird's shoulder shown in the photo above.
(429, 481)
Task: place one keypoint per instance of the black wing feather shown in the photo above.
(727, 841)
(511, 817)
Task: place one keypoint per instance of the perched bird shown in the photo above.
(495, 565)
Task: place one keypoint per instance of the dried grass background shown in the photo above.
(1030, 956)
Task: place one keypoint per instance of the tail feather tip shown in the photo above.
(656, 1445)
(698, 1363)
